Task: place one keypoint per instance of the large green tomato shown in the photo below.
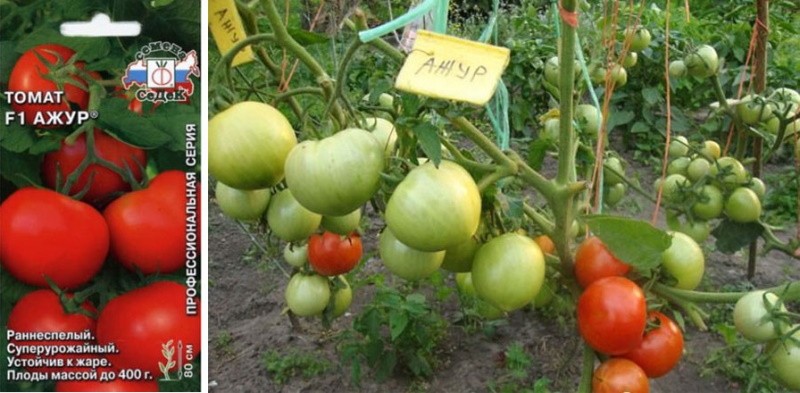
(384, 131)
(743, 205)
(785, 360)
(730, 171)
(677, 69)
(703, 62)
(336, 175)
(753, 109)
(508, 271)
(289, 220)
(342, 225)
(684, 260)
(679, 165)
(709, 206)
(435, 208)
(679, 146)
(697, 169)
(406, 262)
(673, 187)
(242, 204)
(630, 60)
(589, 119)
(749, 316)
(785, 94)
(698, 230)
(640, 40)
(758, 186)
(619, 75)
(459, 258)
(307, 295)
(248, 144)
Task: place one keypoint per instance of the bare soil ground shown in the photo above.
(246, 320)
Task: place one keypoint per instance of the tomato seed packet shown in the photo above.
(100, 186)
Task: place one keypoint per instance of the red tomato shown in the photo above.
(593, 261)
(331, 255)
(46, 234)
(617, 375)
(117, 385)
(147, 323)
(661, 348)
(148, 227)
(41, 311)
(612, 314)
(30, 75)
(105, 183)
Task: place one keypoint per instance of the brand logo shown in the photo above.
(161, 73)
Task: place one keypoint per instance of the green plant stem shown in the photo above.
(273, 68)
(789, 291)
(381, 45)
(491, 178)
(225, 62)
(261, 247)
(773, 243)
(342, 74)
(587, 370)
(289, 94)
(543, 222)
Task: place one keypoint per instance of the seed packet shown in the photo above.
(100, 189)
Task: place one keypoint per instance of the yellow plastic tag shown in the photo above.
(447, 67)
(226, 27)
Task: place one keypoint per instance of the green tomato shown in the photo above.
(772, 125)
(710, 150)
(551, 71)
(750, 316)
(678, 146)
(597, 74)
(384, 131)
(459, 258)
(589, 119)
(615, 193)
(753, 109)
(743, 205)
(336, 175)
(785, 94)
(640, 40)
(673, 187)
(508, 271)
(677, 69)
(710, 204)
(698, 230)
(684, 260)
(307, 295)
(342, 298)
(619, 75)
(703, 62)
(679, 165)
(343, 225)
(785, 360)
(630, 60)
(613, 171)
(295, 254)
(550, 131)
(406, 262)
(433, 209)
(289, 220)
(698, 169)
(385, 100)
(758, 186)
(248, 144)
(242, 205)
(729, 171)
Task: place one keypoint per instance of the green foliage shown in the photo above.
(617, 232)
(395, 332)
(515, 376)
(740, 361)
(780, 205)
(283, 367)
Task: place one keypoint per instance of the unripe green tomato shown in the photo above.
(673, 186)
(551, 71)
(406, 262)
(588, 118)
(758, 186)
(785, 360)
(753, 109)
(384, 132)
(772, 125)
(679, 166)
(342, 298)
(749, 316)
(785, 94)
(698, 230)
(731, 172)
(630, 60)
(459, 257)
(710, 204)
(711, 150)
(307, 295)
(615, 193)
(385, 101)
(242, 205)
(508, 271)
(550, 131)
(679, 146)
(743, 205)
(619, 75)
(343, 225)
(684, 260)
(289, 220)
(295, 254)
(612, 171)
(677, 69)
(703, 62)
(640, 40)
(597, 74)
(698, 168)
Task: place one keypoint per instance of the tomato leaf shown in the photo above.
(536, 153)
(636, 242)
(429, 141)
(19, 168)
(129, 127)
(397, 324)
(733, 236)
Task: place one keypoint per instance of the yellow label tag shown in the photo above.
(447, 67)
(226, 27)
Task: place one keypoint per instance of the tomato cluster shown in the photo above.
(96, 212)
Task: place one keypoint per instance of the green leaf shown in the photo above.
(306, 38)
(116, 119)
(397, 324)
(635, 242)
(536, 153)
(19, 168)
(640, 127)
(16, 138)
(7, 60)
(619, 118)
(428, 138)
(651, 95)
(733, 236)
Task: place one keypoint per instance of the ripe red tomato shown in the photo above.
(117, 385)
(593, 261)
(30, 75)
(661, 348)
(48, 234)
(331, 254)
(105, 183)
(42, 311)
(618, 375)
(612, 314)
(148, 227)
(146, 324)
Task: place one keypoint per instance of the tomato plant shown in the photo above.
(148, 227)
(331, 254)
(102, 184)
(661, 348)
(593, 261)
(32, 218)
(612, 315)
(148, 322)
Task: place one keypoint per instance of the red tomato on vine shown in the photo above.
(612, 314)
(661, 348)
(331, 254)
(593, 261)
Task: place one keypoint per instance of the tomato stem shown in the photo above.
(588, 370)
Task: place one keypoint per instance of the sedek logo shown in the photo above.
(161, 78)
